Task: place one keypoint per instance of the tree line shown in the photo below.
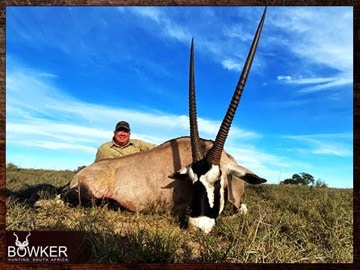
(304, 179)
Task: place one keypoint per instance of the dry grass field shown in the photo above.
(285, 224)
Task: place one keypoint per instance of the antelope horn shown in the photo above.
(28, 236)
(214, 154)
(194, 133)
(17, 239)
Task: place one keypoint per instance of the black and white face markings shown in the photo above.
(208, 195)
(205, 174)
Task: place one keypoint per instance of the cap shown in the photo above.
(122, 124)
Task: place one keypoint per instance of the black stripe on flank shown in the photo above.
(200, 203)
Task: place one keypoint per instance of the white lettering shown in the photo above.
(53, 251)
(18, 259)
(57, 252)
(33, 251)
(63, 250)
(59, 260)
(11, 251)
(21, 252)
(44, 251)
(40, 259)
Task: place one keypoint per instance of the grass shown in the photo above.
(285, 224)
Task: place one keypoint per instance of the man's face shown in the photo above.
(122, 136)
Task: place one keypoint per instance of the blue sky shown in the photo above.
(73, 72)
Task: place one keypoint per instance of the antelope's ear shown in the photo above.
(246, 175)
(253, 179)
(181, 174)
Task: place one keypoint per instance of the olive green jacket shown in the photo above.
(112, 150)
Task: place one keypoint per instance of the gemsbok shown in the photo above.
(191, 176)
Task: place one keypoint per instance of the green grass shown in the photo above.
(285, 224)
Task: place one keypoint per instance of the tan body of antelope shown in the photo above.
(189, 175)
(138, 180)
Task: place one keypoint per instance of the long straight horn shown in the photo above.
(194, 132)
(214, 154)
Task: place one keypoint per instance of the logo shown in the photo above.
(22, 251)
(21, 245)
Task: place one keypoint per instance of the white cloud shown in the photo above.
(152, 13)
(284, 78)
(331, 83)
(325, 33)
(51, 145)
(231, 65)
(76, 128)
(317, 83)
(159, 16)
(38, 111)
(325, 144)
(317, 37)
